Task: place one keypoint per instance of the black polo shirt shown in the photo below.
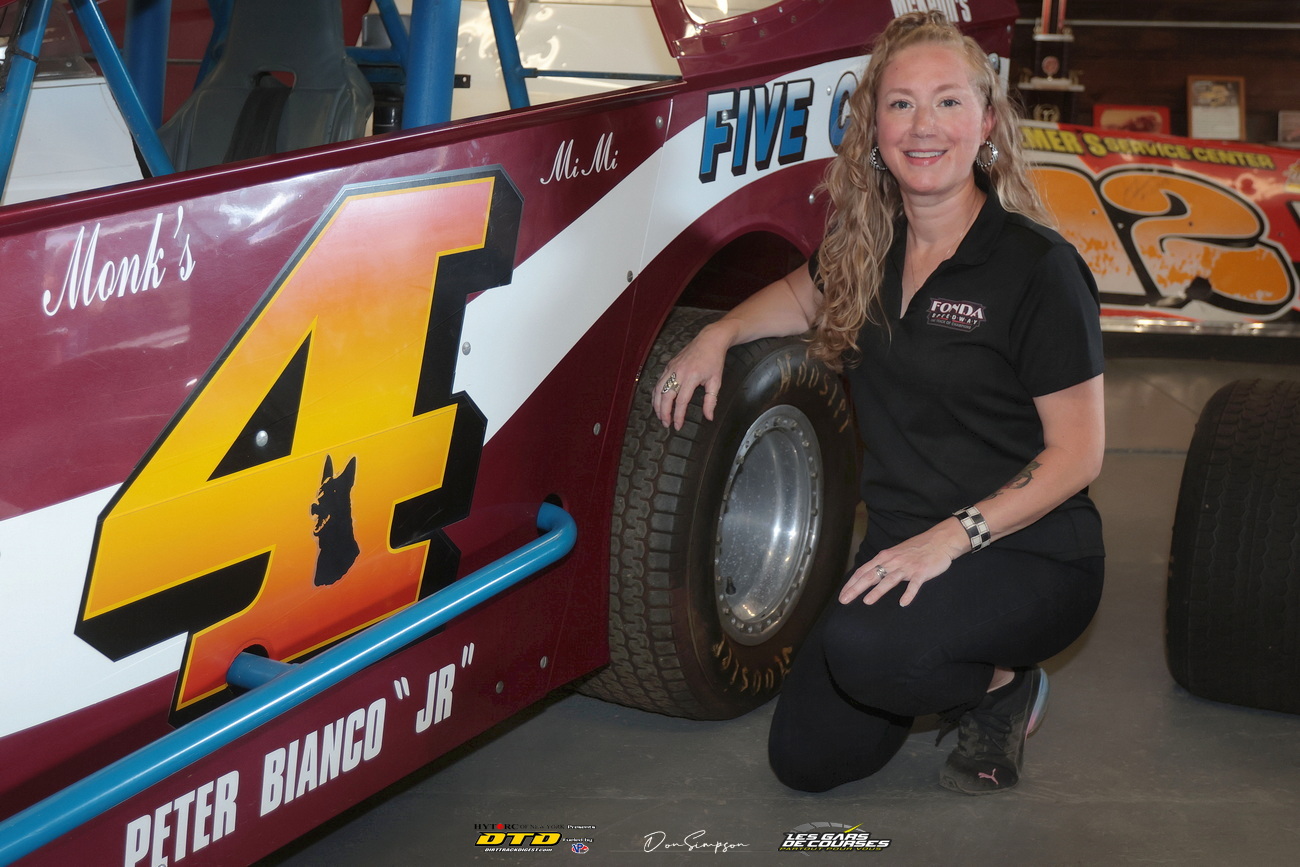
(944, 393)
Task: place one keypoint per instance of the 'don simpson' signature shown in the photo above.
(691, 842)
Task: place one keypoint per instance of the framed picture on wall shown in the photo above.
(1131, 118)
(1288, 128)
(1216, 107)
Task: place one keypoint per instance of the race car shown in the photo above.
(325, 449)
(296, 419)
(1183, 235)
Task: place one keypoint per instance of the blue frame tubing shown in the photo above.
(387, 65)
(431, 73)
(21, 59)
(249, 671)
(512, 67)
(282, 687)
(220, 12)
(396, 28)
(144, 50)
(515, 73)
(613, 76)
(124, 92)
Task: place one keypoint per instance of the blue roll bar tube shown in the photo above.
(386, 65)
(148, 27)
(288, 687)
(220, 10)
(396, 29)
(512, 67)
(124, 92)
(21, 58)
(514, 73)
(431, 70)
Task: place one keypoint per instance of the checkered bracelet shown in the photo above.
(975, 526)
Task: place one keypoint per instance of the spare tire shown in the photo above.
(1233, 615)
(728, 536)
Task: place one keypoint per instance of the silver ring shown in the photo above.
(881, 572)
(671, 385)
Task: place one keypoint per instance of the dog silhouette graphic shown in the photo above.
(333, 530)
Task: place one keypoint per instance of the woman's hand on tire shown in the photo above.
(698, 365)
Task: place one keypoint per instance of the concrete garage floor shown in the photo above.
(1127, 768)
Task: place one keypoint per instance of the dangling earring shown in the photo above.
(876, 162)
(993, 155)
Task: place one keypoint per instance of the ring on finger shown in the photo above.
(881, 571)
(671, 385)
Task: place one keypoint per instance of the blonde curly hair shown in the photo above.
(865, 204)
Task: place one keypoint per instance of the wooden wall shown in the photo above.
(1149, 65)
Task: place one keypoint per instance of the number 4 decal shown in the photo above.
(300, 493)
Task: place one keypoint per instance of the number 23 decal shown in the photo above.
(300, 493)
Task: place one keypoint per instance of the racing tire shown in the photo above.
(728, 536)
(1233, 607)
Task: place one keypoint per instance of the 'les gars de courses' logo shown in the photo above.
(298, 496)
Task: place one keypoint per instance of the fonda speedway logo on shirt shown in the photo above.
(957, 315)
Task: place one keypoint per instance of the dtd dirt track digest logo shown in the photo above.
(831, 837)
(505, 837)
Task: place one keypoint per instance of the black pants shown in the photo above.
(867, 670)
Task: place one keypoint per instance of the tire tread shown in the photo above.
(1233, 609)
(653, 663)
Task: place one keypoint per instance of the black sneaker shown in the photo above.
(991, 737)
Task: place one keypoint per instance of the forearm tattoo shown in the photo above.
(1021, 479)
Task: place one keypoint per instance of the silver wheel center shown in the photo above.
(767, 531)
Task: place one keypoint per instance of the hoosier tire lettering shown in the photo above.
(693, 632)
